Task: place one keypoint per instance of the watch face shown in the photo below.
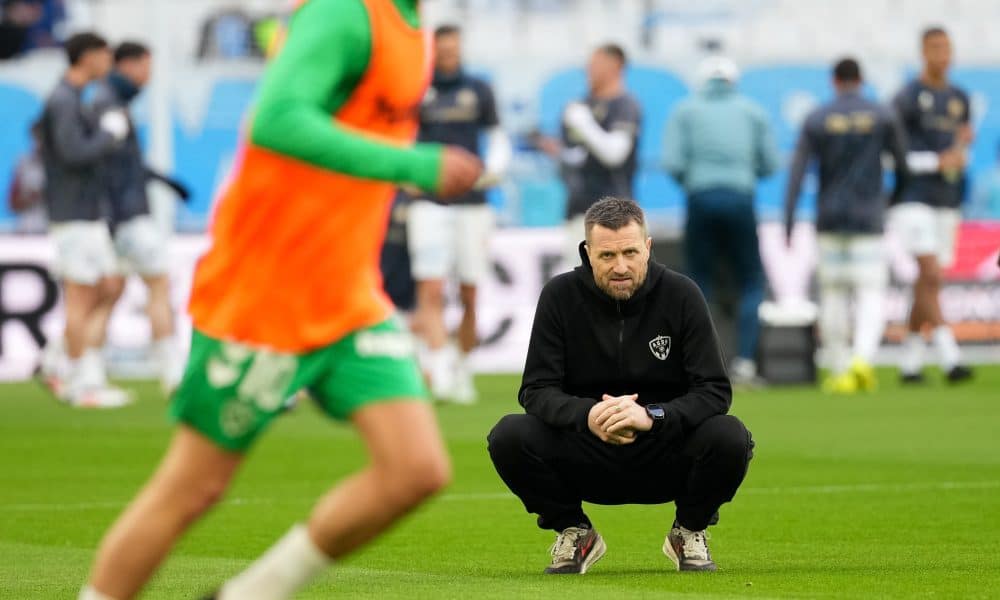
(655, 411)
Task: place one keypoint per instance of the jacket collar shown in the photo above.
(585, 272)
(124, 88)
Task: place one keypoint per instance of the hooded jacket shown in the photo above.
(124, 170)
(660, 344)
(719, 138)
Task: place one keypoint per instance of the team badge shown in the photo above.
(660, 346)
(925, 100)
(956, 107)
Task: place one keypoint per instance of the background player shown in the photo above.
(935, 114)
(847, 138)
(455, 238)
(598, 153)
(140, 244)
(74, 144)
(289, 297)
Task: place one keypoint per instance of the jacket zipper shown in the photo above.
(621, 340)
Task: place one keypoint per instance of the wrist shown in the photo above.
(656, 416)
(426, 167)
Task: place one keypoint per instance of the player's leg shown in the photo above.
(913, 225)
(189, 481)
(743, 246)
(229, 395)
(373, 380)
(110, 290)
(868, 273)
(85, 258)
(475, 227)
(834, 315)
(949, 356)
(141, 245)
(699, 243)
(431, 234)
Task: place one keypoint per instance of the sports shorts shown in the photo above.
(231, 392)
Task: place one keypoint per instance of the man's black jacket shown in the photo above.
(660, 344)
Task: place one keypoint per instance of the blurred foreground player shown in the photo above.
(140, 243)
(626, 398)
(453, 240)
(74, 144)
(289, 297)
(847, 138)
(935, 115)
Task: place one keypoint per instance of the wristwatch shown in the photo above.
(658, 415)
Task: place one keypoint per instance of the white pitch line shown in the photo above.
(474, 496)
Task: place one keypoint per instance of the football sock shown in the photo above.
(913, 354)
(167, 362)
(284, 569)
(869, 322)
(89, 593)
(834, 326)
(947, 347)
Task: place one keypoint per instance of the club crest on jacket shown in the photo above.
(660, 346)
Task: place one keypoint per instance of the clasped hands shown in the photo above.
(617, 419)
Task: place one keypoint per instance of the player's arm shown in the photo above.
(896, 146)
(766, 152)
(499, 151)
(325, 55)
(796, 173)
(612, 146)
(541, 392)
(676, 146)
(69, 140)
(709, 392)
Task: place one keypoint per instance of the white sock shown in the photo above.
(89, 593)
(913, 354)
(282, 571)
(834, 316)
(167, 361)
(91, 366)
(869, 322)
(54, 357)
(947, 347)
(441, 366)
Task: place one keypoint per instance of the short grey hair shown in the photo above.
(613, 213)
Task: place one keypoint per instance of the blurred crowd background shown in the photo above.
(210, 52)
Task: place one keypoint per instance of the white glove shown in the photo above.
(115, 123)
(577, 115)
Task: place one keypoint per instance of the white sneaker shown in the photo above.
(100, 398)
(464, 392)
(743, 373)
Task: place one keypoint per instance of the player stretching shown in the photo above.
(935, 115)
(289, 296)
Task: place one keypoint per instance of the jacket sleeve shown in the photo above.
(767, 157)
(315, 74)
(71, 142)
(675, 147)
(896, 145)
(542, 392)
(709, 392)
(797, 171)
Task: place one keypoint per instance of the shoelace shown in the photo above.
(564, 547)
(695, 544)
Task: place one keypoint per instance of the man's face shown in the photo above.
(937, 53)
(619, 258)
(601, 70)
(137, 70)
(97, 63)
(448, 53)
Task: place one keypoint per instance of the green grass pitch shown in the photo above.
(895, 494)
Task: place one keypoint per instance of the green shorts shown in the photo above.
(231, 391)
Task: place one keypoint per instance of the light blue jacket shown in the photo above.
(718, 138)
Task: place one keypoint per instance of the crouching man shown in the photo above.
(626, 398)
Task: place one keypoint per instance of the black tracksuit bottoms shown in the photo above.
(553, 471)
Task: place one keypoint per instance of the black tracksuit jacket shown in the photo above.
(660, 344)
